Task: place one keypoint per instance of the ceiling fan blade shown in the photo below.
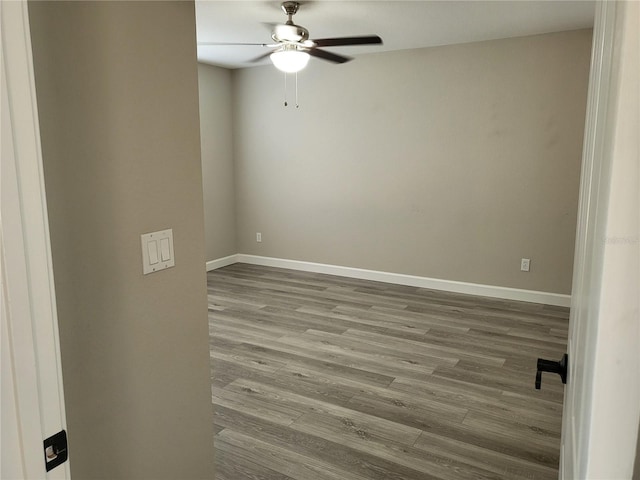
(332, 57)
(233, 43)
(257, 59)
(270, 25)
(343, 41)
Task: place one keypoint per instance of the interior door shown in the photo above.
(602, 398)
(32, 395)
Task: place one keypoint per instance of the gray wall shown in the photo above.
(450, 162)
(216, 138)
(118, 104)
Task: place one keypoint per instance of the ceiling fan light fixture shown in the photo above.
(290, 61)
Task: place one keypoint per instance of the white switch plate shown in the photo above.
(157, 251)
(258, 237)
(525, 263)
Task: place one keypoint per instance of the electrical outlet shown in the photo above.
(258, 237)
(525, 263)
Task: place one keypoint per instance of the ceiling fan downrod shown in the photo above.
(290, 9)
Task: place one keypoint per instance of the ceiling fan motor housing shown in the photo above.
(290, 33)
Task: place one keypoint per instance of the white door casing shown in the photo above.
(587, 264)
(602, 398)
(32, 393)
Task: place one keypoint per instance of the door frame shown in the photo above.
(587, 260)
(602, 345)
(32, 386)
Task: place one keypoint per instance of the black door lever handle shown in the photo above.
(554, 367)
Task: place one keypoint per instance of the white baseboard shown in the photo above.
(492, 291)
(221, 262)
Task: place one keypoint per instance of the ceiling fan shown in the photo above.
(293, 48)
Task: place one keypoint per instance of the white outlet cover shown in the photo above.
(157, 251)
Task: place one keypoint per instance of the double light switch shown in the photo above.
(157, 251)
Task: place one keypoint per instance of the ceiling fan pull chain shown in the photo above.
(297, 106)
(285, 90)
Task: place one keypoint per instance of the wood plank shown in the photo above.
(276, 400)
(362, 463)
(284, 460)
(233, 463)
(360, 438)
(498, 463)
(464, 352)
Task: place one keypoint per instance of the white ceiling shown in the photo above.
(401, 24)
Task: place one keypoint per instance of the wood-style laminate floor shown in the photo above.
(324, 377)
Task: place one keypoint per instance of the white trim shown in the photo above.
(221, 262)
(27, 273)
(492, 291)
(589, 248)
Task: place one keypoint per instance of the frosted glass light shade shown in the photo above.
(290, 61)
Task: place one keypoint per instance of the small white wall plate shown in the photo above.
(157, 251)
